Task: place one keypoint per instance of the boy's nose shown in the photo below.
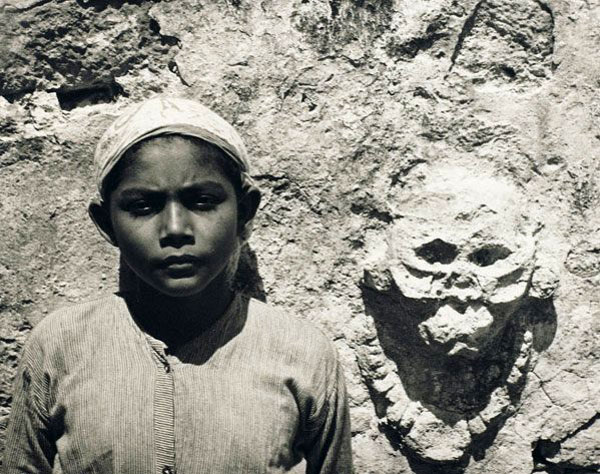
(176, 229)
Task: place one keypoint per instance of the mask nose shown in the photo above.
(460, 280)
(462, 286)
(176, 229)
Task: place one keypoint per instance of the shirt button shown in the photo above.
(167, 470)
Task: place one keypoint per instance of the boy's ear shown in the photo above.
(247, 207)
(100, 215)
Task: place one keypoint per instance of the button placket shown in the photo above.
(164, 411)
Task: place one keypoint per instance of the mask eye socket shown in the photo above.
(489, 255)
(437, 251)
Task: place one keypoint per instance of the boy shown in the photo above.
(177, 372)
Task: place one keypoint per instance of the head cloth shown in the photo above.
(167, 116)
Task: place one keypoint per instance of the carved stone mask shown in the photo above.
(463, 246)
(455, 294)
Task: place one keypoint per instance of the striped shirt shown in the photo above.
(256, 393)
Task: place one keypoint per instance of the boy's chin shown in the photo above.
(180, 289)
(188, 287)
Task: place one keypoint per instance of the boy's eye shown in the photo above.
(140, 207)
(203, 201)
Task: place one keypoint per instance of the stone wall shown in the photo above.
(431, 191)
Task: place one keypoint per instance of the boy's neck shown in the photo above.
(176, 320)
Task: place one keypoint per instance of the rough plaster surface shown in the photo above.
(350, 108)
(461, 307)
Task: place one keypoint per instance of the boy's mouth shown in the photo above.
(180, 264)
(176, 259)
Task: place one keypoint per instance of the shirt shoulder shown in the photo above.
(89, 319)
(286, 334)
(284, 324)
(304, 357)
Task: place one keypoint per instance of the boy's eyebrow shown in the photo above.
(204, 184)
(135, 191)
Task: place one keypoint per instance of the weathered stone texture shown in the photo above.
(507, 42)
(349, 109)
(461, 306)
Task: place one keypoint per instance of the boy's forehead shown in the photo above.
(164, 157)
(172, 146)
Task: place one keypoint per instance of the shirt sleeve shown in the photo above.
(328, 435)
(30, 447)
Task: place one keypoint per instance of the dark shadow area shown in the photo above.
(545, 449)
(247, 278)
(165, 40)
(206, 343)
(100, 5)
(102, 93)
(455, 388)
(15, 95)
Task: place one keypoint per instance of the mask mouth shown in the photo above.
(462, 307)
(463, 329)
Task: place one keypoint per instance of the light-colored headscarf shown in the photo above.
(167, 116)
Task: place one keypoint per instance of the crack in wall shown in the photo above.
(169, 40)
(464, 32)
(581, 428)
(412, 48)
(545, 7)
(542, 388)
(543, 449)
(100, 5)
(30, 6)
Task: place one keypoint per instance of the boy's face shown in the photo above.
(174, 217)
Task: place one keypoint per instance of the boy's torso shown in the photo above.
(235, 405)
